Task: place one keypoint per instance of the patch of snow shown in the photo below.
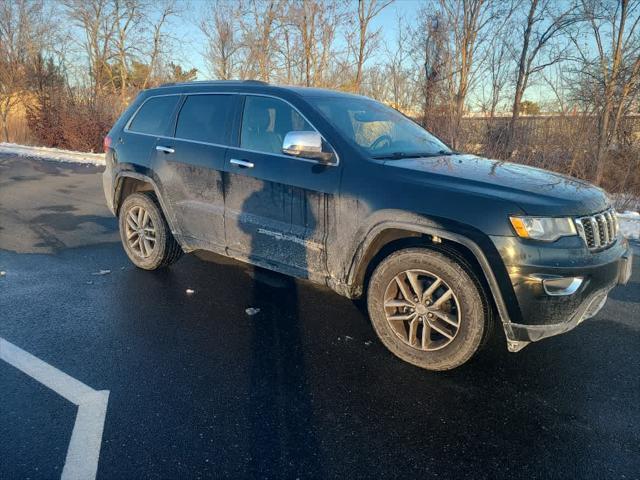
(102, 272)
(52, 154)
(625, 201)
(630, 224)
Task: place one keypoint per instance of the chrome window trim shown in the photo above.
(309, 160)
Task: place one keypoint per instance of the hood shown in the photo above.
(535, 191)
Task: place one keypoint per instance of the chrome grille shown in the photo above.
(598, 231)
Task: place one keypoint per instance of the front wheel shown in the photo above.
(145, 235)
(426, 309)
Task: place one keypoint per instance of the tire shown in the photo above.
(164, 250)
(456, 307)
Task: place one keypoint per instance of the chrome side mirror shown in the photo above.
(306, 144)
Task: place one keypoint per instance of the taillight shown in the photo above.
(106, 143)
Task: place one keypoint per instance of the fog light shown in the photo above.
(562, 285)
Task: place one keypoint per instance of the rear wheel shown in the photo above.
(145, 235)
(426, 309)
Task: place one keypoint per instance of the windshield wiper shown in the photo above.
(399, 155)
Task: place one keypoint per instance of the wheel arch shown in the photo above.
(131, 182)
(388, 237)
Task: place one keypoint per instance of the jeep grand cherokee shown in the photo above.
(347, 192)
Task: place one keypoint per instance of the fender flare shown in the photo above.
(144, 178)
(454, 237)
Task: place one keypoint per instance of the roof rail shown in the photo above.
(214, 82)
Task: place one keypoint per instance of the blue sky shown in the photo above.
(191, 41)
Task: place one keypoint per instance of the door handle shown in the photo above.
(241, 163)
(160, 148)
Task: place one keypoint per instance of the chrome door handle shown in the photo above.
(160, 148)
(241, 163)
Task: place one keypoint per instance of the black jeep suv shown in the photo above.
(347, 192)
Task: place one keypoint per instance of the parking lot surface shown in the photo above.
(198, 388)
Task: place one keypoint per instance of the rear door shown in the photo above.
(190, 167)
(275, 204)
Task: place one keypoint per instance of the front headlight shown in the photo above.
(546, 229)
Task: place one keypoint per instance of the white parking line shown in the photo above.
(84, 447)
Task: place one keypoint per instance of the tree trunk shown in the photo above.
(5, 128)
(601, 155)
(522, 74)
(361, 44)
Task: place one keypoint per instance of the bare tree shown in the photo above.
(467, 19)
(609, 77)
(95, 20)
(432, 66)
(127, 16)
(496, 75)
(316, 23)
(397, 73)
(23, 29)
(259, 22)
(544, 23)
(453, 43)
(157, 25)
(365, 42)
(219, 25)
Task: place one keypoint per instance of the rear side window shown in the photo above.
(266, 121)
(154, 116)
(205, 118)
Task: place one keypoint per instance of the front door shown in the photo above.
(276, 205)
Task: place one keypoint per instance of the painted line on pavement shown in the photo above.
(84, 447)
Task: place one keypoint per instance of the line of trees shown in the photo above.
(579, 59)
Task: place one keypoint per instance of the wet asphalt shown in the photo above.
(302, 389)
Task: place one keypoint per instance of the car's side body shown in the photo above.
(333, 222)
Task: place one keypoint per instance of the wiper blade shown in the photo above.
(399, 155)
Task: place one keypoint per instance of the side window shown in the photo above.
(266, 121)
(205, 118)
(154, 116)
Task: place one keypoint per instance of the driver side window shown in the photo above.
(266, 121)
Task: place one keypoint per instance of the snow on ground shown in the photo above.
(630, 224)
(629, 221)
(52, 154)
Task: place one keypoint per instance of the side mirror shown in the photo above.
(306, 144)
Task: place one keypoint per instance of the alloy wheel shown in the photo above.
(140, 232)
(422, 310)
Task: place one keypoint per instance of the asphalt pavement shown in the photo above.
(198, 388)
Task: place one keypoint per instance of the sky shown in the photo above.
(191, 44)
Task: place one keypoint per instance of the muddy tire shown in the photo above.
(144, 232)
(427, 309)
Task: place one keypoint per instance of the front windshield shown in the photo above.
(379, 130)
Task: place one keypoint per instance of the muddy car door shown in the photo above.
(190, 166)
(276, 204)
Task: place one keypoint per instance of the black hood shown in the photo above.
(535, 191)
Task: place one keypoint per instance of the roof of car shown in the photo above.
(252, 86)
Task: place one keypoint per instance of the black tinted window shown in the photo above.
(266, 121)
(154, 116)
(205, 118)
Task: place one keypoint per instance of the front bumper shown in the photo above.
(542, 315)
